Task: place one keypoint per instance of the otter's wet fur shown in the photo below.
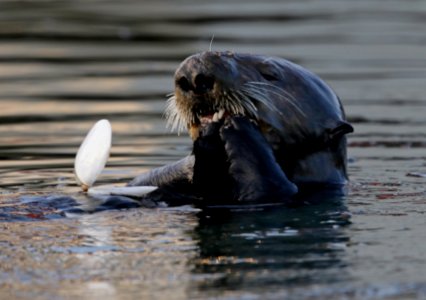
(264, 130)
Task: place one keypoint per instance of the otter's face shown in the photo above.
(211, 85)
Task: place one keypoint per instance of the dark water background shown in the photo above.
(66, 64)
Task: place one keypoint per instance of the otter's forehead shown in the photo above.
(224, 56)
(230, 67)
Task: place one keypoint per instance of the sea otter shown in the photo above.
(264, 130)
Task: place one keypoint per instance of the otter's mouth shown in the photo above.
(204, 115)
(202, 119)
(206, 118)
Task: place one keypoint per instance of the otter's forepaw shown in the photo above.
(253, 167)
(211, 166)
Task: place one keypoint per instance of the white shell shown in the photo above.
(93, 154)
(109, 190)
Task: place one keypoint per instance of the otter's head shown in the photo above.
(210, 85)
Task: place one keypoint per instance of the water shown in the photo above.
(66, 64)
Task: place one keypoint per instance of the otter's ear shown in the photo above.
(340, 130)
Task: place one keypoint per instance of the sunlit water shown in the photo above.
(66, 64)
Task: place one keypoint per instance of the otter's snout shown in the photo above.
(199, 83)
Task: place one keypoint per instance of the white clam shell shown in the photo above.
(93, 154)
(109, 190)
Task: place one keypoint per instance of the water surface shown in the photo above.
(66, 64)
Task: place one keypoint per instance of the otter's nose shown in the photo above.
(201, 84)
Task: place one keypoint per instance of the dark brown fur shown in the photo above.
(292, 120)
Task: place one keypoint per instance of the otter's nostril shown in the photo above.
(183, 83)
(203, 83)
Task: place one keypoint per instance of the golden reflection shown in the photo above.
(78, 108)
(225, 260)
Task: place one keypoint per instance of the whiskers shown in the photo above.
(263, 92)
(180, 117)
(242, 101)
(211, 43)
(235, 103)
(176, 120)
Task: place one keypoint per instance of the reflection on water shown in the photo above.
(66, 64)
(273, 249)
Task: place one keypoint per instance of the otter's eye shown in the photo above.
(269, 76)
